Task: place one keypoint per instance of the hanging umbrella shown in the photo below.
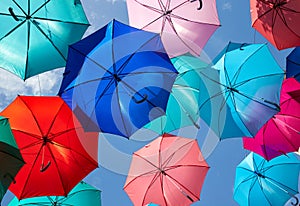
(49, 138)
(118, 79)
(241, 91)
(293, 63)
(281, 134)
(182, 26)
(168, 171)
(278, 21)
(259, 182)
(10, 158)
(35, 35)
(183, 104)
(82, 194)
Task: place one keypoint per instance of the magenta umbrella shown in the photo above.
(281, 134)
(184, 25)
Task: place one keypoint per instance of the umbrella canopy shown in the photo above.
(10, 158)
(81, 195)
(267, 183)
(183, 104)
(182, 26)
(293, 63)
(281, 134)
(35, 35)
(168, 171)
(49, 138)
(241, 92)
(278, 21)
(123, 90)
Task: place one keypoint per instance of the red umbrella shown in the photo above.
(281, 134)
(278, 21)
(168, 171)
(49, 138)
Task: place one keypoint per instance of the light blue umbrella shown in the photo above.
(240, 92)
(263, 183)
(81, 195)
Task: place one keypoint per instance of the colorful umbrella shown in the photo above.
(35, 35)
(293, 63)
(241, 91)
(168, 171)
(278, 21)
(183, 104)
(123, 90)
(49, 138)
(259, 182)
(281, 134)
(10, 158)
(81, 195)
(183, 28)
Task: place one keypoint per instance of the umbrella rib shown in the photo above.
(43, 5)
(156, 176)
(179, 186)
(151, 22)
(192, 21)
(254, 78)
(173, 28)
(263, 192)
(281, 186)
(12, 30)
(31, 168)
(162, 189)
(47, 37)
(121, 114)
(27, 50)
(149, 7)
(146, 173)
(74, 193)
(147, 161)
(16, 3)
(58, 171)
(172, 155)
(54, 119)
(285, 138)
(60, 21)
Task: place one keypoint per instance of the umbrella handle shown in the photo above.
(10, 176)
(200, 4)
(44, 168)
(13, 14)
(297, 201)
(141, 100)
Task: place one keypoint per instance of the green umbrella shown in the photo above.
(81, 195)
(35, 35)
(183, 104)
(10, 158)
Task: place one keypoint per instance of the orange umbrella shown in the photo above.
(278, 21)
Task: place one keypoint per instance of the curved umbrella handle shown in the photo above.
(44, 168)
(141, 100)
(200, 4)
(297, 201)
(13, 14)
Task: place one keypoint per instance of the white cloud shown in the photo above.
(227, 6)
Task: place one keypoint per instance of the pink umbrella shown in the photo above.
(168, 171)
(182, 26)
(281, 134)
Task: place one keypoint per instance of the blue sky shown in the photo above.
(115, 153)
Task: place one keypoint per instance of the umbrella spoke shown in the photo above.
(12, 30)
(16, 3)
(39, 8)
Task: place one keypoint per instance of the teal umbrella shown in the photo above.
(183, 104)
(10, 158)
(35, 35)
(82, 194)
(267, 183)
(240, 92)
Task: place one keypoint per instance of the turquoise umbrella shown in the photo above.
(240, 92)
(81, 195)
(183, 104)
(35, 35)
(273, 183)
(10, 158)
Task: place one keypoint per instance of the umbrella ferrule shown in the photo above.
(167, 12)
(259, 174)
(163, 172)
(278, 4)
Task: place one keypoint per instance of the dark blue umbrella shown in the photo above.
(293, 64)
(118, 79)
